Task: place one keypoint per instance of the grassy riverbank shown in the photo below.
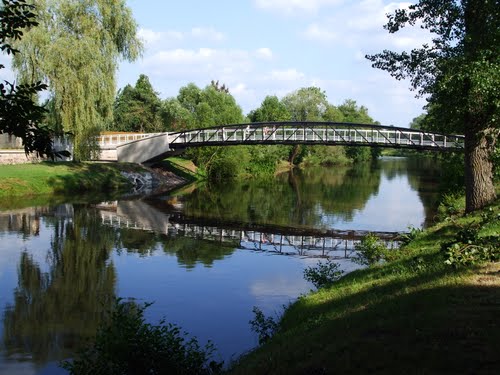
(413, 314)
(46, 178)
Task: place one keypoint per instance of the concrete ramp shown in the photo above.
(144, 150)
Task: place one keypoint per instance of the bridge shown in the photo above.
(338, 244)
(148, 148)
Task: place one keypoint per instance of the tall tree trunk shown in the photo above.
(296, 150)
(479, 186)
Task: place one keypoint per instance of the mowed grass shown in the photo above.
(412, 315)
(25, 180)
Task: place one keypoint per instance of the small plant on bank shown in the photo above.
(129, 345)
(264, 326)
(412, 234)
(468, 248)
(369, 250)
(324, 273)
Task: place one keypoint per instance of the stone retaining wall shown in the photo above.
(17, 157)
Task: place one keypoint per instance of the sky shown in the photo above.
(274, 47)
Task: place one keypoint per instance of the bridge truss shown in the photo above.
(323, 133)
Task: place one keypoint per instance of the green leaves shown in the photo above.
(369, 251)
(138, 109)
(323, 274)
(75, 49)
(129, 345)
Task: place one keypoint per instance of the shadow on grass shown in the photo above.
(428, 323)
(86, 177)
(177, 170)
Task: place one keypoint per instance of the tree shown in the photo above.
(75, 50)
(20, 116)
(306, 104)
(138, 108)
(271, 109)
(355, 114)
(212, 107)
(265, 158)
(459, 74)
(418, 122)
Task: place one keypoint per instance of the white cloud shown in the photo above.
(154, 38)
(295, 6)
(151, 37)
(286, 75)
(360, 26)
(264, 53)
(207, 33)
(319, 33)
(190, 64)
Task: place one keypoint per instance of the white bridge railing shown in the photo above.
(317, 133)
(113, 140)
(311, 133)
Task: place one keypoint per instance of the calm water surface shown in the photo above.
(205, 256)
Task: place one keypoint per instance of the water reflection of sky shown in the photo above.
(395, 207)
(214, 303)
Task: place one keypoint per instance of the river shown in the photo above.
(205, 255)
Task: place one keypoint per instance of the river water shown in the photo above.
(205, 255)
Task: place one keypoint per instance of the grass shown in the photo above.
(30, 180)
(184, 168)
(413, 314)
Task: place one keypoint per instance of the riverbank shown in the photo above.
(68, 179)
(413, 314)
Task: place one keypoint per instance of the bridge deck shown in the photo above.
(141, 148)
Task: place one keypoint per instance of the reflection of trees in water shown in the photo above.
(424, 176)
(342, 191)
(298, 199)
(54, 310)
(190, 251)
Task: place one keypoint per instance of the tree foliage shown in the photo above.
(127, 344)
(20, 116)
(138, 109)
(271, 109)
(75, 50)
(458, 72)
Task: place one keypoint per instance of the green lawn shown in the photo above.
(61, 178)
(414, 314)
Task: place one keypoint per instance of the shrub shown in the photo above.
(469, 248)
(129, 345)
(369, 250)
(412, 234)
(323, 273)
(264, 326)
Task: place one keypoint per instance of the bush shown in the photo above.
(370, 250)
(264, 326)
(129, 345)
(468, 248)
(451, 204)
(412, 234)
(323, 273)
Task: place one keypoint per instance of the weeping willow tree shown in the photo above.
(75, 49)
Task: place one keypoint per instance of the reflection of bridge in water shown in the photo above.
(266, 238)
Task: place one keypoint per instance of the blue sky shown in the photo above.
(273, 47)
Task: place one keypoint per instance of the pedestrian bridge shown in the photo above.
(147, 148)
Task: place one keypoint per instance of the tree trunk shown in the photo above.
(479, 185)
(293, 155)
